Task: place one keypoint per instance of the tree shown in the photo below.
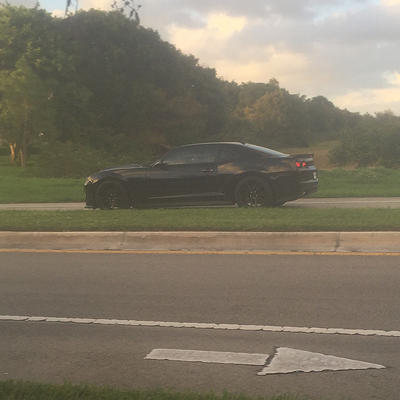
(127, 7)
(26, 109)
(27, 81)
(279, 117)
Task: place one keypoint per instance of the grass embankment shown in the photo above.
(13, 390)
(19, 186)
(204, 219)
(362, 182)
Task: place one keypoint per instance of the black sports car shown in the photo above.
(206, 173)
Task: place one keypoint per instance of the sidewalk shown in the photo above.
(366, 242)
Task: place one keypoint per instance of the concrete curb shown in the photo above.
(205, 241)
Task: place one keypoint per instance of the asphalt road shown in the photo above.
(345, 202)
(353, 292)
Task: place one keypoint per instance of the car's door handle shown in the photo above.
(209, 170)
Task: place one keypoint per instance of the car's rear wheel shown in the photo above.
(112, 195)
(254, 192)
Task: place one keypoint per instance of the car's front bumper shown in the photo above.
(89, 195)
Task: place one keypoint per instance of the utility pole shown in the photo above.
(71, 7)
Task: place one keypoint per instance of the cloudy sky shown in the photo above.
(346, 50)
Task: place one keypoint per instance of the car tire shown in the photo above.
(253, 191)
(112, 195)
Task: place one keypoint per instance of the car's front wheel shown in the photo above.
(112, 195)
(253, 192)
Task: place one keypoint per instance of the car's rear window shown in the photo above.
(271, 153)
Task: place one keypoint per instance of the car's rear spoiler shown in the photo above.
(303, 156)
(303, 160)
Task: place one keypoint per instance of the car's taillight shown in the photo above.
(300, 164)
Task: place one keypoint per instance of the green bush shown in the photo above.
(367, 149)
(68, 160)
(4, 151)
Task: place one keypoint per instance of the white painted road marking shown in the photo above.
(220, 357)
(203, 325)
(284, 361)
(288, 360)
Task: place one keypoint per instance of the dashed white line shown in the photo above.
(204, 325)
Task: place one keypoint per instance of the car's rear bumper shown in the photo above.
(307, 187)
(308, 181)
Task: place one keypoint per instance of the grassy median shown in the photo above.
(13, 390)
(362, 182)
(204, 219)
(18, 186)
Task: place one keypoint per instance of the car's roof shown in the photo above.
(248, 146)
(206, 143)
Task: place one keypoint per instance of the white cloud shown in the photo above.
(209, 40)
(392, 77)
(374, 100)
(99, 4)
(58, 13)
(290, 67)
(371, 101)
(390, 3)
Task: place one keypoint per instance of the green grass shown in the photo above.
(204, 219)
(19, 186)
(363, 182)
(14, 390)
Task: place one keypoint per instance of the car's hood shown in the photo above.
(122, 168)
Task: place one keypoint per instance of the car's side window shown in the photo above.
(233, 153)
(191, 155)
(175, 157)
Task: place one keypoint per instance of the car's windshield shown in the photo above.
(271, 153)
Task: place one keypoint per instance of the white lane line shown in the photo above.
(345, 201)
(348, 202)
(220, 357)
(288, 360)
(203, 325)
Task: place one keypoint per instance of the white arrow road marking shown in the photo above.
(284, 361)
(220, 357)
(291, 360)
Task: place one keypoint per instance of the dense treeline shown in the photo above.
(97, 87)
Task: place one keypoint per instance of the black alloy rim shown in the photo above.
(253, 194)
(111, 196)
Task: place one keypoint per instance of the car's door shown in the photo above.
(232, 161)
(185, 174)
